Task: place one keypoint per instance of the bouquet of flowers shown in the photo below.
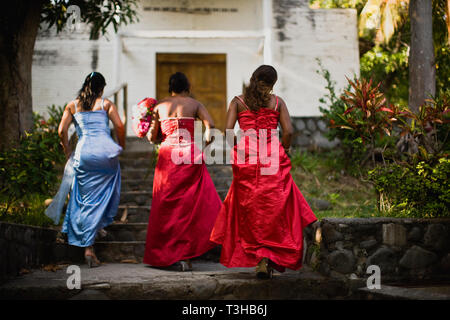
(142, 116)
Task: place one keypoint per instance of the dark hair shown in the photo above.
(92, 87)
(257, 93)
(178, 83)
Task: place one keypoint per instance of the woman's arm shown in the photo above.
(63, 129)
(154, 127)
(113, 114)
(231, 119)
(286, 125)
(208, 122)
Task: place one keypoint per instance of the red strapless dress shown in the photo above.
(263, 215)
(185, 202)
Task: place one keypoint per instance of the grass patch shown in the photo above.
(30, 211)
(322, 176)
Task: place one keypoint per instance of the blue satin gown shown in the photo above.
(95, 193)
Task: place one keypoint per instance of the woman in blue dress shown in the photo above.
(95, 192)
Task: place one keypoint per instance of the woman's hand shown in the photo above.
(287, 151)
(113, 114)
(68, 153)
(63, 129)
(153, 135)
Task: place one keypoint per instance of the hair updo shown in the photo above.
(179, 83)
(92, 88)
(258, 93)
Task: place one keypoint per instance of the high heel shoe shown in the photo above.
(91, 261)
(185, 265)
(263, 270)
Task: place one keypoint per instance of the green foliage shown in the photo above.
(417, 190)
(429, 128)
(381, 64)
(441, 46)
(359, 119)
(99, 14)
(320, 175)
(30, 168)
(332, 108)
(332, 4)
(408, 182)
(303, 159)
(30, 210)
(388, 62)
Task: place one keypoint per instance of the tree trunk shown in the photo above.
(422, 71)
(447, 19)
(19, 24)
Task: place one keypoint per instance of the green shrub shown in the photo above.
(332, 107)
(419, 190)
(30, 168)
(359, 119)
(29, 210)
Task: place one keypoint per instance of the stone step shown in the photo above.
(119, 251)
(136, 198)
(137, 174)
(208, 281)
(133, 154)
(147, 173)
(136, 162)
(138, 204)
(131, 231)
(133, 213)
(222, 182)
(147, 184)
(137, 185)
(222, 193)
(134, 144)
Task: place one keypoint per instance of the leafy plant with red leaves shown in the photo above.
(367, 114)
(428, 130)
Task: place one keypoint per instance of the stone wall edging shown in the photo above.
(26, 247)
(405, 249)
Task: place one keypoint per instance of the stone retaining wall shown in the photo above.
(309, 132)
(406, 250)
(25, 247)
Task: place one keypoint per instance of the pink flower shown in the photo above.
(148, 103)
(142, 115)
(143, 128)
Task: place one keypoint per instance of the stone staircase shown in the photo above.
(125, 239)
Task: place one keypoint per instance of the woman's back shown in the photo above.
(262, 118)
(92, 122)
(178, 107)
(94, 135)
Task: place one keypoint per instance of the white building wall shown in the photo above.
(302, 36)
(62, 61)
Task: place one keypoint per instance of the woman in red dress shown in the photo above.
(262, 218)
(185, 202)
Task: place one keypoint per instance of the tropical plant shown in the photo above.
(367, 115)
(428, 130)
(332, 108)
(30, 168)
(386, 58)
(420, 189)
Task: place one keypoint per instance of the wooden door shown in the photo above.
(207, 75)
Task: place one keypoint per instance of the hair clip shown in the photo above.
(92, 74)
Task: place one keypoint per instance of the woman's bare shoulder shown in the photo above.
(71, 106)
(280, 101)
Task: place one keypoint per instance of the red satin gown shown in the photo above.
(185, 202)
(263, 215)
